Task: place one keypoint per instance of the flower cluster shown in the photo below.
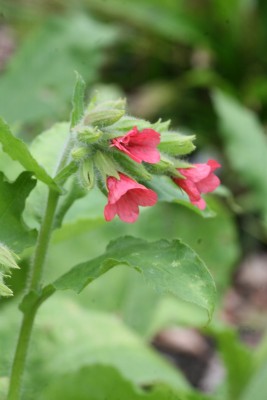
(120, 153)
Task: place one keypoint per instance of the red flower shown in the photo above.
(199, 179)
(124, 197)
(140, 146)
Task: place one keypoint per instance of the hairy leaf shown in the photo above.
(78, 101)
(18, 150)
(168, 266)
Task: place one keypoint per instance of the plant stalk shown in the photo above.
(36, 271)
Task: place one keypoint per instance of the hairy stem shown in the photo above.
(35, 282)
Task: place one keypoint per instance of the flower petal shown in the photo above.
(208, 184)
(127, 209)
(144, 197)
(110, 211)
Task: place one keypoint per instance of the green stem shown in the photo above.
(35, 280)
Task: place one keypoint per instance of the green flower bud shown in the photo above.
(105, 165)
(79, 153)
(7, 262)
(87, 174)
(166, 165)
(176, 144)
(129, 166)
(89, 134)
(7, 258)
(103, 118)
(118, 104)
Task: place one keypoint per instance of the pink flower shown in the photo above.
(140, 146)
(124, 197)
(199, 179)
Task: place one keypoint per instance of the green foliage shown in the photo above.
(257, 386)
(36, 85)
(242, 132)
(18, 151)
(170, 267)
(102, 383)
(15, 234)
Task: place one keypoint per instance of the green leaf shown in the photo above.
(18, 151)
(256, 387)
(14, 233)
(237, 358)
(168, 266)
(245, 145)
(78, 101)
(102, 383)
(68, 337)
(176, 144)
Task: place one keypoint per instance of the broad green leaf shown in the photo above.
(77, 100)
(36, 84)
(14, 233)
(103, 383)
(18, 150)
(68, 337)
(245, 145)
(168, 266)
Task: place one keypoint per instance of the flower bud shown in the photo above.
(166, 165)
(79, 153)
(105, 165)
(7, 258)
(103, 118)
(132, 168)
(118, 104)
(7, 262)
(176, 144)
(87, 174)
(89, 134)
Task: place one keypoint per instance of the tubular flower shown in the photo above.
(140, 146)
(125, 196)
(199, 179)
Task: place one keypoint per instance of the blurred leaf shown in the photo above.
(77, 100)
(18, 150)
(170, 267)
(102, 382)
(166, 19)
(256, 387)
(68, 337)
(37, 82)
(14, 233)
(237, 358)
(245, 145)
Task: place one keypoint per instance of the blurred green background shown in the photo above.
(202, 64)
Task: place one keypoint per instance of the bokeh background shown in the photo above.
(202, 64)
